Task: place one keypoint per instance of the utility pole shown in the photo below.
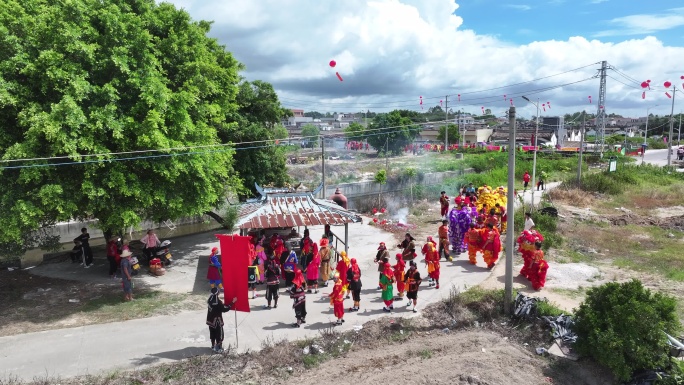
(510, 209)
(669, 138)
(387, 154)
(446, 122)
(601, 115)
(581, 150)
(679, 133)
(323, 165)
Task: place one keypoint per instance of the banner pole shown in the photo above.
(237, 343)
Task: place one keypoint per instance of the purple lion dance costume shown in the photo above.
(459, 223)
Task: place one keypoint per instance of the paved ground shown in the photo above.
(133, 344)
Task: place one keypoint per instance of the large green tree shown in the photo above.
(393, 130)
(256, 123)
(454, 134)
(310, 134)
(84, 80)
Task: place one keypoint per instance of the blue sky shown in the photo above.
(390, 52)
(523, 22)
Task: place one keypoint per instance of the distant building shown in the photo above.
(557, 124)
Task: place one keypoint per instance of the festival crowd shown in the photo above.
(473, 225)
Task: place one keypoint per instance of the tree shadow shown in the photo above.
(279, 325)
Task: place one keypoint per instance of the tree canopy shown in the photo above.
(310, 134)
(395, 130)
(454, 134)
(123, 106)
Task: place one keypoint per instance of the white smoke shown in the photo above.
(401, 216)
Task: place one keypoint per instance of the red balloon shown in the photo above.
(644, 85)
(648, 81)
(333, 63)
(682, 77)
(667, 84)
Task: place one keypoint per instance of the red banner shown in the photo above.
(234, 264)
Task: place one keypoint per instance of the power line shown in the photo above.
(361, 105)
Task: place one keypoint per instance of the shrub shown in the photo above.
(547, 225)
(620, 325)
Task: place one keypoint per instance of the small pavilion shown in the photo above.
(280, 208)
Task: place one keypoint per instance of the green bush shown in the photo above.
(547, 225)
(620, 325)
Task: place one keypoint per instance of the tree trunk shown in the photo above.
(216, 217)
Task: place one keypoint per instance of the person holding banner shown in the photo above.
(298, 294)
(272, 281)
(215, 311)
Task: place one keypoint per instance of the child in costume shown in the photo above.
(538, 269)
(380, 258)
(215, 311)
(214, 272)
(491, 246)
(443, 234)
(272, 275)
(342, 267)
(399, 268)
(473, 240)
(337, 298)
(261, 254)
(297, 293)
(253, 275)
(354, 279)
(312, 271)
(432, 261)
(324, 253)
(386, 284)
(503, 218)
(444, 204)
(289, 268)
(413, 280)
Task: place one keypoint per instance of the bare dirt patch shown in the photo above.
(33, 303)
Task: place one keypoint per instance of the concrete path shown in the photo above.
(134, 344)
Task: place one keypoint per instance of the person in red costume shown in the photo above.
(492, 245)
(443, 234)
(473, 239)
(337, 298)
(538, 269)
(399, 268)
(526, 247)
(432, 261)
(424, 249)
(342, 266)
(444, 203)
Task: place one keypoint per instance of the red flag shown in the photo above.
(234, 264)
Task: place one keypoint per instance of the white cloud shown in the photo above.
(644, 24)
(519, 7)
(389, 52)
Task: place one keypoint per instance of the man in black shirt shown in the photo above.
(87, 252)
(215, 311)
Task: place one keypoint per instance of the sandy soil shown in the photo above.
(475, 357)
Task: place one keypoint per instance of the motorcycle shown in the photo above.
(135, 265)
(162, 252)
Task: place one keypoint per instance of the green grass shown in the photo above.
(546, 308)
(425, 354)
(147, 303)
